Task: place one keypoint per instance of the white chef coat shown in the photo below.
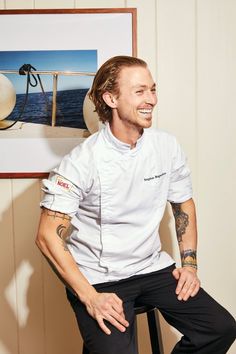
(116, 197)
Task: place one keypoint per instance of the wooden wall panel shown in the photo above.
(176, 69)
(19, 4)
(217, 144)
(99, 3)
(28, 265)
(8, 301)
(54, 4)
(216, 55)
(146, 30)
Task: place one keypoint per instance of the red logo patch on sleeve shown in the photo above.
(63, 183)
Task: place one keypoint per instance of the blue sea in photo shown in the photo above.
(38, 108)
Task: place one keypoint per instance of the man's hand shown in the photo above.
(107, 306)
(188, 282)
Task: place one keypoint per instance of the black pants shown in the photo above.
(206, 326)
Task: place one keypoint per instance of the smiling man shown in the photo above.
(99, 227)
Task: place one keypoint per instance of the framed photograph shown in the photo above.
(48, 59)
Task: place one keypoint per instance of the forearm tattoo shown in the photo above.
(181, 220)
(189, 258)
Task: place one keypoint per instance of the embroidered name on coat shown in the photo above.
(156, 176)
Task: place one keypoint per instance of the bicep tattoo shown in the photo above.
(181, 220)
(56, 214)
(62, 231)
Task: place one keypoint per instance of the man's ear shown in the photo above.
(109, 99)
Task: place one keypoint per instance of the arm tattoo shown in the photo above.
(62, 232)
(189, 258)
(56, 214)
(60, 229)
(181, 220)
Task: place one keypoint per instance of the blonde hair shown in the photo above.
(106, 80)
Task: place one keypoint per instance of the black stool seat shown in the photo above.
(153, 326)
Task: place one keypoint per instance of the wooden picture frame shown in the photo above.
(32, 150)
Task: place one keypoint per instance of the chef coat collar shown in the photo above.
(120, 145)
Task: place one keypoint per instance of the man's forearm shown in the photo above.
(53, 230)
(186, 231)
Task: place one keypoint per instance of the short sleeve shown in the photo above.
(180, 188)
(64, 189)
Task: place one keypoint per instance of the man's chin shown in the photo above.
(147, 123)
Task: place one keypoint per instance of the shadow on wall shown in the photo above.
(35, 315)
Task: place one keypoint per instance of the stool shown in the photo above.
(153, 326)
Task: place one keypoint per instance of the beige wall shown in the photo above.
(190, 46)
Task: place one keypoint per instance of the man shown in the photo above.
(101, 213)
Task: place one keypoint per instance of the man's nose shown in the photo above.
(151, 97)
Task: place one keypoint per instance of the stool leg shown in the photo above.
(136, 332)
(85, 350)
(155, 332)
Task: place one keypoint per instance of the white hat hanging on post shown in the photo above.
(90, 117)
(7, 98)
